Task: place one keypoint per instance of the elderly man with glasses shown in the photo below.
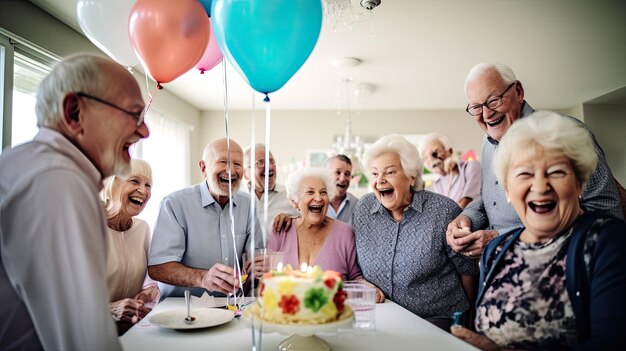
(53, 286)
(277, 201)
(496, 100)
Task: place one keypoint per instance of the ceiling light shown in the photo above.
(345, 62)
(370, 4)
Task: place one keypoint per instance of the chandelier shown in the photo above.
(350, 95)
(343, 12)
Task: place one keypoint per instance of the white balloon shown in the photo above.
(105, 23)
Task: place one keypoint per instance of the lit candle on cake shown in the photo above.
(279, 267)
(303, 267)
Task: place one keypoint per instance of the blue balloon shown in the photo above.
(267, 41)
(207, 6)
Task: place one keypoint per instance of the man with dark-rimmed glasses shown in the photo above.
(53, 282)
(496, 100)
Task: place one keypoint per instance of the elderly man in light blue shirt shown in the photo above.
(192, 244)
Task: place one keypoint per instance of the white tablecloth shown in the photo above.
(396, 329)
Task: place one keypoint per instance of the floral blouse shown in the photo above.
(526, 305)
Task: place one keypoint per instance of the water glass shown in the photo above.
(362, 299)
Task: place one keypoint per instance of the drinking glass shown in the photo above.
(362, 299)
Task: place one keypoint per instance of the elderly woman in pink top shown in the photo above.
(313, 237)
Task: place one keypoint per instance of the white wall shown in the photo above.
(293, 132)
(608, 123)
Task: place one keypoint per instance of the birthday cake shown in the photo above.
(292, 296)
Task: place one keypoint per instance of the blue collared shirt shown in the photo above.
(345, 209)
(193, 229)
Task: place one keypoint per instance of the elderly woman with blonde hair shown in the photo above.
(559, 282)
(130, 287)
(400, 236)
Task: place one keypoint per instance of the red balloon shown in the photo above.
(169, 37)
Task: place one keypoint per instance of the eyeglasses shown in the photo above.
(137, 116)
(492, 104)
(261, 163)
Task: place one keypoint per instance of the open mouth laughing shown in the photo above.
(496, 122)
(385, 192)
(541, 207)
(136, 200)
(316, 208)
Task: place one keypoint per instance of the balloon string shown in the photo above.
(253, 215)
(149, 105)
(236, 267)
(267, 166)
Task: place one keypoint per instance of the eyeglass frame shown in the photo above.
(498, 98)
(261, 163)
(137, 116)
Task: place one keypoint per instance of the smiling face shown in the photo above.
(342, 174)
(108, 133)
(434, 155)
(134, 193)
(392, 186)
(483, 88)
(258, 166)
(312, 200)
(544, 191)
(215, 167)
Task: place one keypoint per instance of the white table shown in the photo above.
(396, 329)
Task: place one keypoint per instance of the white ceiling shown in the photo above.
(566, 52)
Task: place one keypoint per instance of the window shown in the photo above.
(167, 152)
(22, 67)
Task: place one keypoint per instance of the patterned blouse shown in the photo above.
(410, 260)
(526, 306)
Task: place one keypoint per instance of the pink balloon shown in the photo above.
(212, 55)
(169, 37)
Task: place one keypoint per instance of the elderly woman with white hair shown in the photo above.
(400, 236)
(458, 180)
(130, 288)
(559, 282)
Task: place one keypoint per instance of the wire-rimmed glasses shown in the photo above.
(137, 116)
(493, 103)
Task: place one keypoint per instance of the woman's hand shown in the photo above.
(128, 310)
(480, 341)
(149, 294)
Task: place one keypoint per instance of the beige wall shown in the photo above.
(19, 17)
(608, 123)
(293, 132)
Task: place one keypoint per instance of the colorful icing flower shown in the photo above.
(290, 304)
(329, 282)
(269, 300)
(329, 311)
(315, 298)
(286, 287)
(339, 299)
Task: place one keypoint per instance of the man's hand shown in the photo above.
(460, 237)
(149, 295)
(281, 222)
(220, 278)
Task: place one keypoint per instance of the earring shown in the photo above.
(508, 200)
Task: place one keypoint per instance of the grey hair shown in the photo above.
(506, 73)
(429, 138)
(548, 131)
(77, 73)
(340, 157)
(294, 180)
(246, 154)
(409, 156)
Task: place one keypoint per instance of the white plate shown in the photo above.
(205, 317)
(345, 320)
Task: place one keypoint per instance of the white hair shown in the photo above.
(77, 73)
(409, 156)
(506, 73)
(547, 131)
(429, 138)
(247, 157)
(294, 180)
